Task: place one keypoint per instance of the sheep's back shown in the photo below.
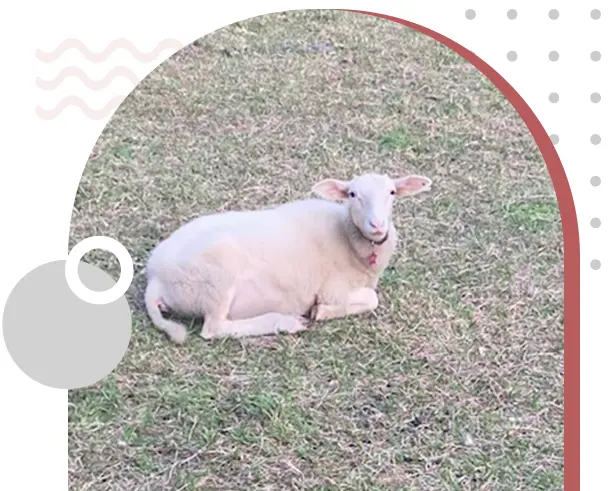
(283, 233)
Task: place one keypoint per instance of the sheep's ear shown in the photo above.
(331, 189)
(411, 185)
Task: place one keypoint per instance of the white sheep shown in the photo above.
(253, 273)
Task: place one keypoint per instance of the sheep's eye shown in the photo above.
(352, 194)
(393, 192)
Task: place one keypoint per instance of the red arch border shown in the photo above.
(571, 249)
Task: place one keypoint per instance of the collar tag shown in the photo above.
(372, 258)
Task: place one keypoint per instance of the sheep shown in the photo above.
(261, 272)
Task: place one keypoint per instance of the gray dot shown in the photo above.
(511, 56)
(595, 139)
(595, 97)
(553, 97)
(595, 56)
(512, 14)
(470, 14)
(57, 339)
(554, 56)
(596, 222)
(555, 139)
(595, 265)
(595, 181)
(553, 14)
(595, 14)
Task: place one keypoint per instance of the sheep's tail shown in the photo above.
(176, 331)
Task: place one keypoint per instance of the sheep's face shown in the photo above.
(370, 199)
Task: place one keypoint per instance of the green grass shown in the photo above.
(399, 138)
(532, 215)
(454, 383)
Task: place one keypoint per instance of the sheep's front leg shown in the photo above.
(358, 301)
(262, 325)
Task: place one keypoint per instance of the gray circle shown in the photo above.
(553, 97)
(595, 97)
(554, 56)
(595, 265)
(595, 181)
(511, 56)
(555, 139)
(596, 56)
(596, 222)
(512, 14)
(553, 14)
(595, 139)
(595, 14)
(57, 339)
(470, 14)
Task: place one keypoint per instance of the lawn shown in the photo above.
(454, 383)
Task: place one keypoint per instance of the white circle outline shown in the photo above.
(106, 244)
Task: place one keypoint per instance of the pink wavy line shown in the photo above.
(74, 71)
(49, 114)
(72, 43)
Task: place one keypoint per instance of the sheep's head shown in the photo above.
(370, 198)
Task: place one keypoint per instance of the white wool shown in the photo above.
(258, 272)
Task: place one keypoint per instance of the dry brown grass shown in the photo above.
(455, 383)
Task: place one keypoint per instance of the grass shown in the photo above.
(454, 383)
(399, 138)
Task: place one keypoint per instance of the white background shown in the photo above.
(42, 161)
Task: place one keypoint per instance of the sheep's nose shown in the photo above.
(377, 224)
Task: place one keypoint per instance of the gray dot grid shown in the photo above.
(595, 140)
(595, 98)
